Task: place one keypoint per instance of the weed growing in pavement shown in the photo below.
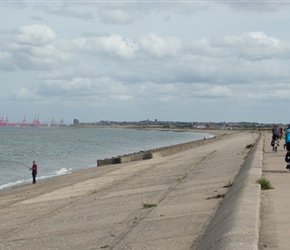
(250, 145)
(148, 205)
(219, 196)
(265, 184)
(228, 185)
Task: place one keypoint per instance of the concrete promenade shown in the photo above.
(275, 216)
(201, 198)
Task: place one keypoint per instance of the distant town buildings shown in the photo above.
(182, 125)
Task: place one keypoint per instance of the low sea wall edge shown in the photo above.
(158, 152)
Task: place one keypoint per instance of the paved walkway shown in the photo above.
(160, 204)
(275, 207)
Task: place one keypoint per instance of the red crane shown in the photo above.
(52, 123)
(36, 122)
(1, 120)
(23, 124)
(6, 123)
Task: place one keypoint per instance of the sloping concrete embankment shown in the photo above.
(236, 222)
(159, 152)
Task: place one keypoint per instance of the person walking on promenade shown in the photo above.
(34, 172)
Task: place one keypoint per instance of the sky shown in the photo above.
(190, 61)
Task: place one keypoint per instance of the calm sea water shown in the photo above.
(59, 151)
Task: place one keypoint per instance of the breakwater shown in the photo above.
(158, 152)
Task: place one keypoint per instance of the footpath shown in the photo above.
(275, 206)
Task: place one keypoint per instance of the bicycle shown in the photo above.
(275, 144)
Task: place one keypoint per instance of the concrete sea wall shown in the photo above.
(159, 152)
(235, 225)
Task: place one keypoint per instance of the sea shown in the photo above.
(63, 150)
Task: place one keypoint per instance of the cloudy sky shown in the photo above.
(136, 60)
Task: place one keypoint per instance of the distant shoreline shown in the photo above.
(157, 128)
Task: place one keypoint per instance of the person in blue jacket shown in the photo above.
(287, 138)
(287, 145)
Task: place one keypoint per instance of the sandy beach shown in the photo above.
(162, 203)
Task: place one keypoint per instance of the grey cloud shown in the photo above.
(6, 61)
(81, 86)
(250, 46)
(113, 45)
(259, 46)
(38, 58)
(256, 6)
(128, 12)
(31, 47)
(34, 35)
(160, 46)
(116, 16)
(56, 8)
(116, 12)
(29, 94)
(64, 9)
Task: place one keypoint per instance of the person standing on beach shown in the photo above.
(34, 172)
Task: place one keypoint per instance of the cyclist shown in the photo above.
(287, 145)
(287, 138)
(275, 135)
